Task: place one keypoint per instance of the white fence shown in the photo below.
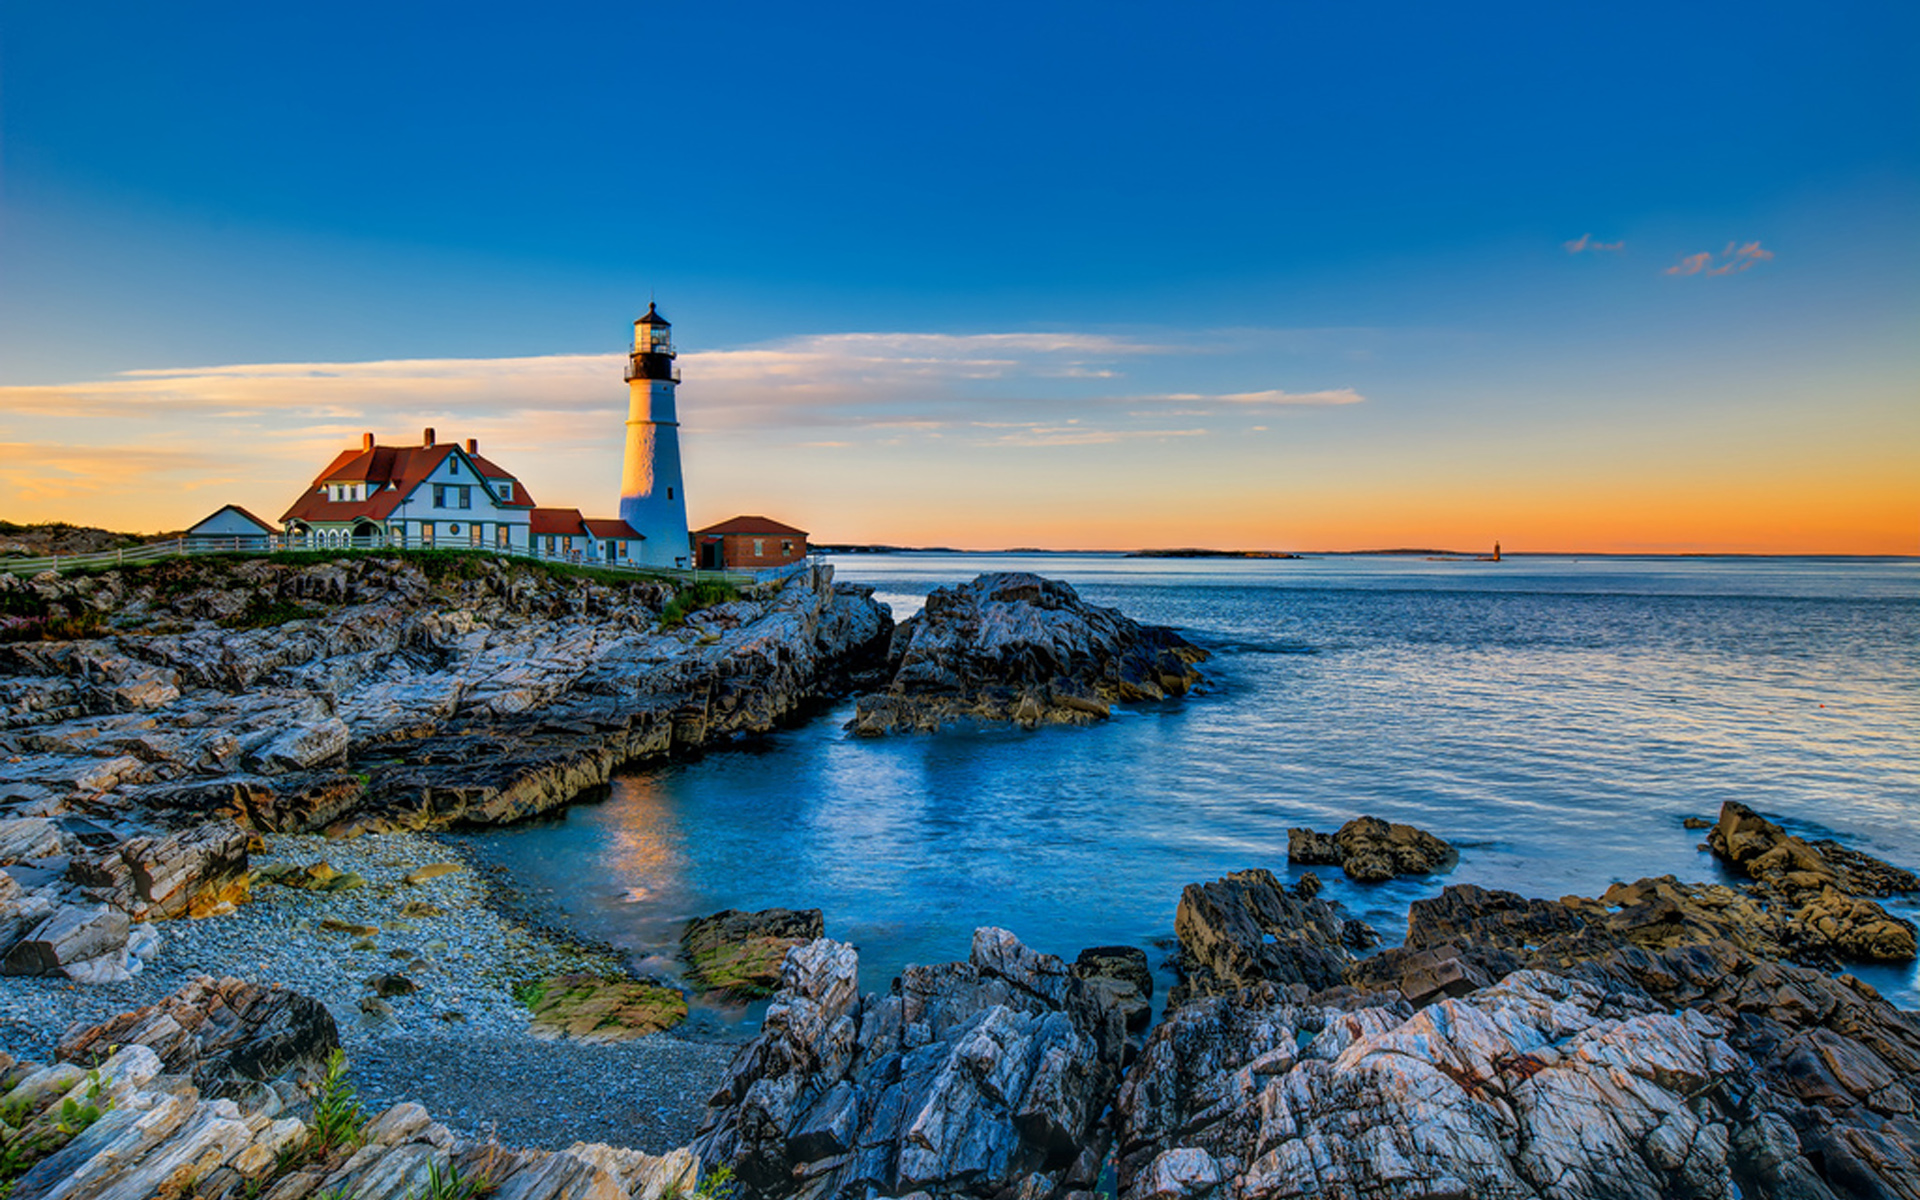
(261, 546)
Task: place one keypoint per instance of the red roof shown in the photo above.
(397, 470)
(751, 525)
(613, 528)
(559, 522)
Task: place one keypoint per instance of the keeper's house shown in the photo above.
(748, 544)
(428, 495)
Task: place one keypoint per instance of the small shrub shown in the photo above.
(338, 1117)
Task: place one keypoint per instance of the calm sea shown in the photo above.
(1556, 718)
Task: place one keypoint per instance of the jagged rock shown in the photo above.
(228, 1035)
(971, 1078)
(1016, 647)
(1371, 850)
(738, 954)
(195, 873)
(590, 1009)
(27, 838)
(1247, 928)
(1537, 1086)
(87, 944)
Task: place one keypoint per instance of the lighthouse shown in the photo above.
(652, 497)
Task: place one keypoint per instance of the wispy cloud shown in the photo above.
(1586, 243)
(1734, 259)
(1270, 397)
(257, 429)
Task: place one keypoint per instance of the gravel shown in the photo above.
(460, 1045)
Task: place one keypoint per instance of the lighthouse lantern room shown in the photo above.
(652, 495)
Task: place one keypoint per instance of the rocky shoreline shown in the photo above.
(1664, 1040)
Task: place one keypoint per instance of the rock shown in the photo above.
(28, 838)
(420, 875)
(1822, 890)
(1121, 977)
(591, 1009)
(970, 1079)
(420, 909)
(1537, 1086)
(1017, 648)
(228, 1035)
(335, 925)
(388, 986)
(83, 943)
(1247, 928)
(1371, 850)
(194, 873)
(738, 954)
(375, 1007)
(403, 703)
(1696, 823)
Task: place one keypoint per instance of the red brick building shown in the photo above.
(748, 544)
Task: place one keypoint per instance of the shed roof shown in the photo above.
(751, 524)
(602, 527)
(235, 508)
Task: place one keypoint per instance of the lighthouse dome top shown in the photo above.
(653, 317)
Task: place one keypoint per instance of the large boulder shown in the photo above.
(230, 1036)
(1014, 647)
(969, 1079)
(1248, 928)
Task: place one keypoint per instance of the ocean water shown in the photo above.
(1557, 718)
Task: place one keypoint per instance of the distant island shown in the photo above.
(1198, 552)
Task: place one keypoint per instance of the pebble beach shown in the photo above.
(460, 1045)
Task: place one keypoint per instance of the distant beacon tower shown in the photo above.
(652, 497)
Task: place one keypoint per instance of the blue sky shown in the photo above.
(1244, 200)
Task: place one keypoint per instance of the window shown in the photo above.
(759, 547)
(549, 543)
(669, 493)
(506, 491)
(502, 535)
(439, 495)
(466, 496)
(397, 535)
(473, 535)
(786, 546)
(426, 534)
(453, 464)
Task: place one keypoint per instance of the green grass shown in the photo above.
(265, 612)
(693, 597)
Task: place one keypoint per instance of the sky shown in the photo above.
(1289, 276)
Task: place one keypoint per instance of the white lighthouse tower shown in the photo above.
(652, 497)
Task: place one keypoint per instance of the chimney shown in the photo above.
(473, 445)
(426, 436)
(366, 442)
